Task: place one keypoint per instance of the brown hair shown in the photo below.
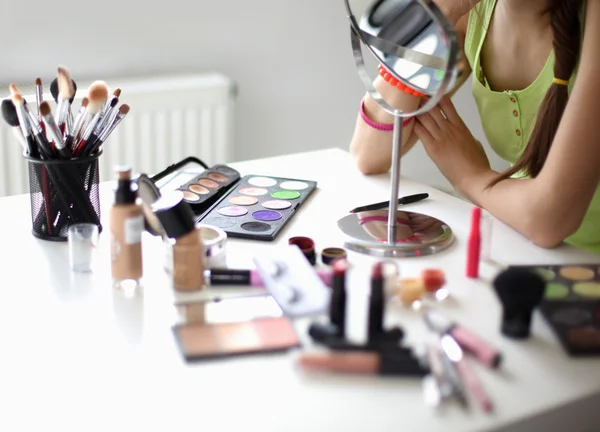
(564, 19)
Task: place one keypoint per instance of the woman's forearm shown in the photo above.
(372, 148)
(525, 206)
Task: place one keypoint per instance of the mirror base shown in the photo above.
(418, 234)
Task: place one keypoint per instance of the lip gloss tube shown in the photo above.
(468, 341)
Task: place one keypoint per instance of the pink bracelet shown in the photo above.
(379, 126)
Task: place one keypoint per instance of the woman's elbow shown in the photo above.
(551, 234)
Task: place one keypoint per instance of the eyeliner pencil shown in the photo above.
(409, 199)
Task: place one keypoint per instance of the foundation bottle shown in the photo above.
(187, 249)
(126, 227)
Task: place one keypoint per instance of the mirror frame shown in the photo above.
(358, 37)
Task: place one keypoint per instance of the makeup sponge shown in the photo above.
(520, 291)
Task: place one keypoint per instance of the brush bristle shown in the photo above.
(117, 92)
(17, 99)
(124, 109)
(45, 108)
(9, 113)
(65, 83)
(38, 81)
(97, 95)
(85, 101)
(13, 89)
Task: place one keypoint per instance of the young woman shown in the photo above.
(536, 84)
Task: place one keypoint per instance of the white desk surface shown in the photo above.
(79, 356)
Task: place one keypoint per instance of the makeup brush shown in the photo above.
(63, 150)
(73, 135)
(385, 204)
(32, 149)
(54, 90)
(337, 305)
(97, 95)
(9, 113)
(116, 95)
(46, 149)
(120, 115)
(107, 116)
(66, 94)
(520, 291)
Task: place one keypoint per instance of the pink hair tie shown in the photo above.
(379, 126)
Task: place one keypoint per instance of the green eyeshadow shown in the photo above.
(556, 291)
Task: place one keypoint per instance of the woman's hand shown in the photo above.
(452, 147)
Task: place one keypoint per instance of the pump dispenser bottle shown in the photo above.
(126, 227)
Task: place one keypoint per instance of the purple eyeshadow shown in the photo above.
(266, 215)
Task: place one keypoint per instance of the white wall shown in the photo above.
(298, 89)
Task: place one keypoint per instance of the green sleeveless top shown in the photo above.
(508, 117)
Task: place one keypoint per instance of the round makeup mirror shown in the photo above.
(419, 49)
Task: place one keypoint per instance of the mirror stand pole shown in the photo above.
(396, 156)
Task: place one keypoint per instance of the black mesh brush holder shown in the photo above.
(63, 192)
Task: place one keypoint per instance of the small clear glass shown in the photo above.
(83, 241)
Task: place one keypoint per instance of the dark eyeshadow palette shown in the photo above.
(571, 305)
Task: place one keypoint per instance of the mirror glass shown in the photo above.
(417, 234)
(411, 39)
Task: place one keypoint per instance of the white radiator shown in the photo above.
(171, 117)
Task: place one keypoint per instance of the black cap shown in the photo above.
(127, 191)
(175, 215)
(400, 361)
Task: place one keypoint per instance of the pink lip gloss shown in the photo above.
(468, 341)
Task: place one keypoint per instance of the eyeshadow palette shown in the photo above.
(571, 305)
(255, 207)
(258, 207)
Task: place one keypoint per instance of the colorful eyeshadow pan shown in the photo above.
(262, 181)
(571, 306)
(217, 177)
(587, 289)
(548, 275)
(577, 273)
(293, 185)
(285, 194)
(277, 204)
(256, 226)
(266, 215)
(556, 291)
(199, 189)
(243, 200)
(190, 196)
(211, 184)
(233, 211)
(254, 191)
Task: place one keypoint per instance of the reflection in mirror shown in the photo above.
(407, 41)
(416, 234)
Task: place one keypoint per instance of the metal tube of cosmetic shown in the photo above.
(396, 156)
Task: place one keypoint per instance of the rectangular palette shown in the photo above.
(571, 305)
(265, 335)
(258, 207)
(255, 207)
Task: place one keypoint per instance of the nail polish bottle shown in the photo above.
(126, 220)
(178, 221)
